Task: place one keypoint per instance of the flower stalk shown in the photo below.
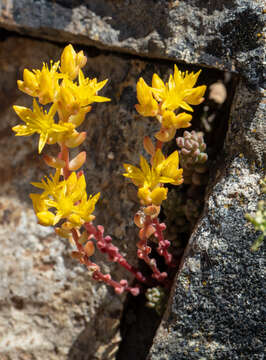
(104, 244)
(64, 155)
(144, 250)
(163, 244)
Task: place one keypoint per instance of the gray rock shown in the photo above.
(216, 308)
(215, 33)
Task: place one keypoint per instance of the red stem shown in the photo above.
(144, 250)
(163, 244)
(64, 155)
(104, 244)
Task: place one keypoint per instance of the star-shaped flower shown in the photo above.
(64, 200)
(149, 179)
(179, 91)
(38, 121)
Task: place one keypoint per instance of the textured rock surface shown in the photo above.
(216, 310)
(216, 33)
(49, 307)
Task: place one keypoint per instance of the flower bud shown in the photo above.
(142, 234)
(119, 290)
(184, 151)
(91, 218)
(30, 81)
(68, 62)
(46, 218)
(188, 144)
(150, 230)
(203, 158)
(81, 59)
(124, 282)
(196, 153)
(144, 195)
(67, 98)
(180, 142)
(153, 263)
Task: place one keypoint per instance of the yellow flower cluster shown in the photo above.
(70, 100)
(150, 179)
(64, 200)
(164, 101)
(66, 104)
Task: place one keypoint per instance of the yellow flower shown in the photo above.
(72, 62)
(168, 168)
(163, 99)
(71, 101)
(178, 91)
(85, 207)
(170, 123)
(41, 83)
(38, 121)
(150, 179)
(64, 200)
(147, 106)
(50, 186)
(74, 98)
(170, 119)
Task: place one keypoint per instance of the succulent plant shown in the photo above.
(156, 299)
(193, 158)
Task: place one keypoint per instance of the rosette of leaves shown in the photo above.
(156, 299)
(193, 158)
